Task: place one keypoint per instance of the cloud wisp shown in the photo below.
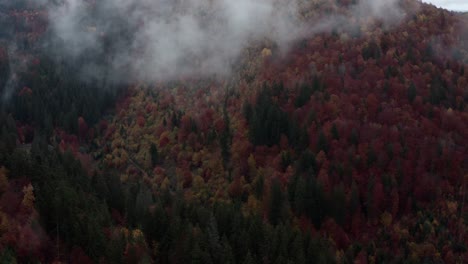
(165, 39)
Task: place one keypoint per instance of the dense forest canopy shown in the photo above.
(327, 131)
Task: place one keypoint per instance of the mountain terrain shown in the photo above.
(347, 143)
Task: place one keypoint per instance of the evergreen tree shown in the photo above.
(154, 155)
(276, 202)
(322, 142)
(338, 205)
(334, 132)
(305, 91)
(411, 92)
(225, 139)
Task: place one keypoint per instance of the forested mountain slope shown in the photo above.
(349, 146)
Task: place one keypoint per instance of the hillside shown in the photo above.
(348, 146)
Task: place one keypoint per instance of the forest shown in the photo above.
(351, 147)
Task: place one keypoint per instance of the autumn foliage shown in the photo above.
(351, 148)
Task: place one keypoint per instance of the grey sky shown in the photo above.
(455, 5)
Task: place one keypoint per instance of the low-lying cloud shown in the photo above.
(166, 39)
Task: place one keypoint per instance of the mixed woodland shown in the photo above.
(350, 148)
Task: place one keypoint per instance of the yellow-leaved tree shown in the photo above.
(28, 198)
(3, 179)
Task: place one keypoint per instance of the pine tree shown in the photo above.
(334, 132)
(248, 259)
(154, 155)
(411, 92)
(276, 202)
(225, 139)
(322, 142)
